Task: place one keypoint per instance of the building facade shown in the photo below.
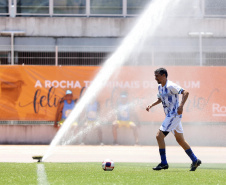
(84, 32)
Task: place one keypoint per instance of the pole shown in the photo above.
(10, 7)
(87, 8)
(51, 8)
(124, 8)
(15, 7)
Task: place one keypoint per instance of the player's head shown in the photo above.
(161, 71)
(68, 96)
(160, 75)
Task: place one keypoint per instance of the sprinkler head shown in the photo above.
(39, 158)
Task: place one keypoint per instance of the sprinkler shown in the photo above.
(39, 158)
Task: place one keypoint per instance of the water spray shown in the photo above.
(146, 25)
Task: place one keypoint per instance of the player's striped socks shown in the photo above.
(163, 156)
(191, 155)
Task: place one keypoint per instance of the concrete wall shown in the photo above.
(196, 135)
(106, 27)
(68, 26)
(26, 134)
(105, 33)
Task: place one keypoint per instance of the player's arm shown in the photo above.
(158, 101)
(58, 113)
(184, 99)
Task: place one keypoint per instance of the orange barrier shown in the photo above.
(33, 92)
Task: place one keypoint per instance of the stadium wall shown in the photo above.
(104, 26)
(195, 134)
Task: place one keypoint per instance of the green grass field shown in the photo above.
(124, 173)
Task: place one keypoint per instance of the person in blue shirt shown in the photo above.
(64, 109)
(124, 117)
(90, 119)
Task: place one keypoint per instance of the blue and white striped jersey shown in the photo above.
(169, 94)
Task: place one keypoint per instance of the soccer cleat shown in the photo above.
(161, 167)
(195, 165)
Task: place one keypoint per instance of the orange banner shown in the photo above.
(33, 92)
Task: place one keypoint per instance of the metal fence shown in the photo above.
(63, 58)
(88, 8)
(49, 55)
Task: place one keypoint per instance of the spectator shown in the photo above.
(124, 115)
(91, 119)
(65, 107)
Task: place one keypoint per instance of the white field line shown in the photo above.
(41, 174)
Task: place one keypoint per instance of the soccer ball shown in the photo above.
(108, 165)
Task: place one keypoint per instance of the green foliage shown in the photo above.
(124, 173)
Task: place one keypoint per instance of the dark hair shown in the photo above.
(161, 71)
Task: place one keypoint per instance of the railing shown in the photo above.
(92, 56)
(103, 8)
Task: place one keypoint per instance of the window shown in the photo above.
(33, 6)
(4, 58)
(136, 6)
(106, 6)
(4, 7)
(69, 7)
(215, 7)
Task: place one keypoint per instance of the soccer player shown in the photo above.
(168, 95)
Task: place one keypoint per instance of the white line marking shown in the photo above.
(41, 174)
